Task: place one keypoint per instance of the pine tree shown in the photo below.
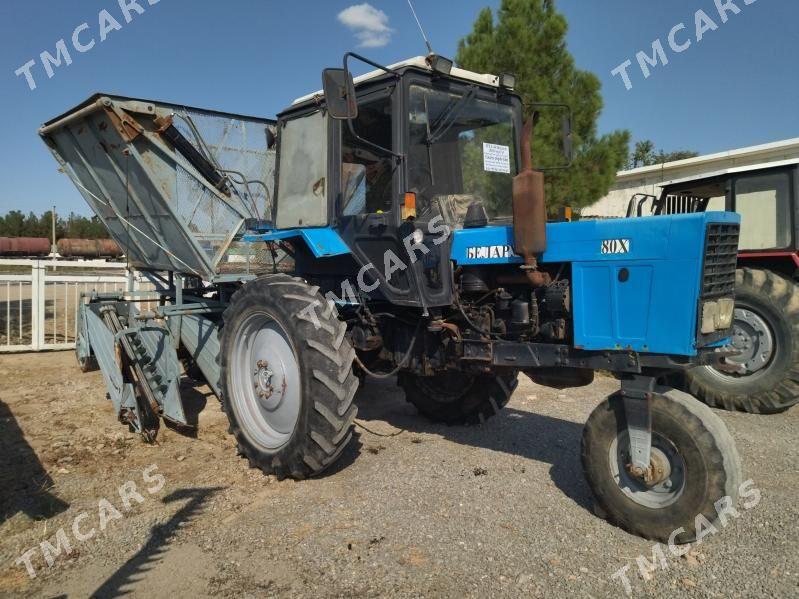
(643, 154)
(528, 39)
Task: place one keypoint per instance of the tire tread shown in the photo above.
(774, 396)
(326, 367)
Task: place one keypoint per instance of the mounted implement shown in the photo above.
(408, 238)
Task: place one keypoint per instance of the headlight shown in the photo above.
(726, 310)
(717, 315)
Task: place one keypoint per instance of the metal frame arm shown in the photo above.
(636, 391)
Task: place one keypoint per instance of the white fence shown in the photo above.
(39, 299)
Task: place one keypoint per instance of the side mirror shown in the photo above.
(339, 90)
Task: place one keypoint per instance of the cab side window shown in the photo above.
(764, 203)
(367, 173)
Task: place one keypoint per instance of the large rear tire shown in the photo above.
(766, 332)
(286, 377)
(456, 398)
(696, 460)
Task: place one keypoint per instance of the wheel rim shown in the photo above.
(753, 338)
(265, 381)
(671, 482)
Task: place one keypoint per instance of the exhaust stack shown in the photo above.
(529, 209)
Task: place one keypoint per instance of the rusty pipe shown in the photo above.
(529, 207)
(535, 278)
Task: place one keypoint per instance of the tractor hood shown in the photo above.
(630, 277)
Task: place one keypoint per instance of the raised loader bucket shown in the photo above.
(172, 184)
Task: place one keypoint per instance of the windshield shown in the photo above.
(461, 149)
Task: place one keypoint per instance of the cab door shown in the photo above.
(366, 207)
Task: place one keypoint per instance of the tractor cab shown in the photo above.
(415, 148)
(764, 196)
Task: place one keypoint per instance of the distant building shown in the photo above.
(650, 179)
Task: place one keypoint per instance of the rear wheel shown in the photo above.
(766, 333)
(286, 377)
(694, 466)
(457, 398)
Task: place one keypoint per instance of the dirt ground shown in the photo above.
(420, 510)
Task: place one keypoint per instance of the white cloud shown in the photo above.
(369, 24)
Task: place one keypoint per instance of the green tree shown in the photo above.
(32, 226)
(644, 155)
(12, 224)
(528, 39)
(674, 156)
(16, 224)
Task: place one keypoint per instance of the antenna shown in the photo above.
(426, 41)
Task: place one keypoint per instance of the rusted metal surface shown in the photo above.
(163, 123)
(529, 210)
(125, 124)
(536, 278)
(88, 248)
(24, 246)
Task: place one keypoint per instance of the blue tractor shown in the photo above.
(393, 225)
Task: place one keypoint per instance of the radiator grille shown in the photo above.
(721, 252)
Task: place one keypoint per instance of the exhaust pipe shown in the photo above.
(529, 210)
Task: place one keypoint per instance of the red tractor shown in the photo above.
(764, 377)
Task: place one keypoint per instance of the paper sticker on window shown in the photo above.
(496, 158)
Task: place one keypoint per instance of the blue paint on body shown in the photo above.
(324, 242)
(654, 310)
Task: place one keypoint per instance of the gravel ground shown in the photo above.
(421, 510)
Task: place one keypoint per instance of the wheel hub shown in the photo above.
(265, 381)
(657, 486)
(659, 469)
(753, 340)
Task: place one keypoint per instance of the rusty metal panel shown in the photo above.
(24, 246)
(88, 248)
(172, 184)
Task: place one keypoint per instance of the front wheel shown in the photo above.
(694, 466)
(458, 398)
(764, 376)
(286, 377)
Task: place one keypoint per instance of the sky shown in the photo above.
(734, 87)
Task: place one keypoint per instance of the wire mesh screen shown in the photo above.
(175, 185)
(254, 258)
(237, 148)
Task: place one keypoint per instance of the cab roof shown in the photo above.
(419, 62)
